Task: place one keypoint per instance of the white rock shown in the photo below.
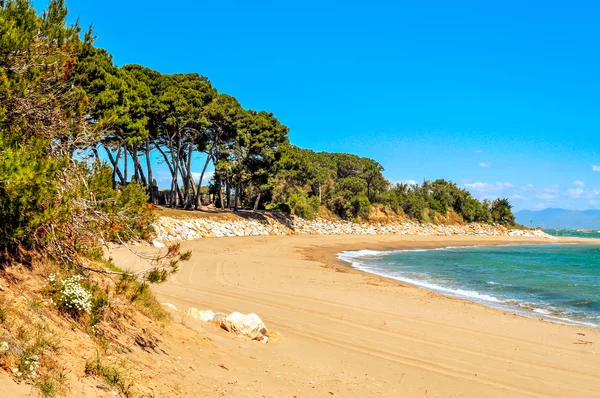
(158, 244)
(169, 305)
(249, 325)
(204, 316)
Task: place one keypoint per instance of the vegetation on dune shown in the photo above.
(59, 206)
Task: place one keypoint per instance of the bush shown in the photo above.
(501, 212)
(414, 206)
(282, 207)
(341, 206)
(361, 207)
(71, 296)
(304, 207)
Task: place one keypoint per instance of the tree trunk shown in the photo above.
(219, 189)
(115, 164)
(149, 168)
(190, 180)
(228, 189)
(139, 172)
(199, 193)
(257, 201)
(126, 165)
(184, 179)
(238, 189)
(96, 154)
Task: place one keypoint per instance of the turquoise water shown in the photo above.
(572, 233)
(559, 283)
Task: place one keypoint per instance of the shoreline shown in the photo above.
(352, 333)
(487, 301)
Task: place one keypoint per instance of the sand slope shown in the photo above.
(350, 334)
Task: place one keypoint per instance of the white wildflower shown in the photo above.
(73, 296)
(4, 347)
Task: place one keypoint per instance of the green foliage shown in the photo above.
(501, 212)
(304, 206)
(27, 186)
(110, 374)
(352, 186)
(47, 387)
(361, 207)
(330, 178)
(340, 206)
(282, 207)
(440, 196)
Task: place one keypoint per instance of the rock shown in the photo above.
(249, 325)
(169, 305)
(204, 316)
(158, 244)
(168, 229)
(218, 317)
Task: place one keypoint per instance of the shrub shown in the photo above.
(71, 296)
(341, 206)
(501, 212)
(304, 207)
(361, 207)
(282, 207)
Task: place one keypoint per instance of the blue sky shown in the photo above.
(501, 97)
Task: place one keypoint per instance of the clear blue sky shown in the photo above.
(502, 98)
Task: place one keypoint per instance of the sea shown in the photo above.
(556, 282)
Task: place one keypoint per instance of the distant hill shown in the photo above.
(560, 218)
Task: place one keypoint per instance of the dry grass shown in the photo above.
(45, 344)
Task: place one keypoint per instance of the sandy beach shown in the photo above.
(350, 334)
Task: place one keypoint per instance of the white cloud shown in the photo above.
(594, 192)
(575, 192)
(487, 188)
(552, 189)
(595, 168)
(545, 196)
(478, 151)
(207, 176)
(407, 182)
(527, 187)
(517, 196)
(484, 164)
(162, 176)
(579, 183)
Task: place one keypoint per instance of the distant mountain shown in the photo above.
(560, 218)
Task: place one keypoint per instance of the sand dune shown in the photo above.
(350, 334)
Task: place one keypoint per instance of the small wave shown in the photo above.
(362, 260)
(360, 253)
(470, 294)
(541, 311)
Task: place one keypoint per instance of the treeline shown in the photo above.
(349, 185)
(80, 138)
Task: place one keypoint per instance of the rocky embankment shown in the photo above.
(177, 229)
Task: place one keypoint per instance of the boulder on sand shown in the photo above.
(249, 325)
(204, 316)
